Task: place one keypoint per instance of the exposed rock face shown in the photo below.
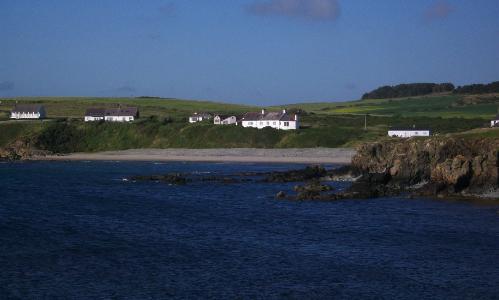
(449, 165)
(19, 150)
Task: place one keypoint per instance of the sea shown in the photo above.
(81, 230)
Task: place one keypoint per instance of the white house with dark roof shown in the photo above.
(408, 132)
(224, 120)
(495, 122)
(199, 117)
(279, 120)
(28, 111)
(127, 114)
(95, 114)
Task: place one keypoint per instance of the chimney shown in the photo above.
(263, 111)
(284, 111)
(296, 117)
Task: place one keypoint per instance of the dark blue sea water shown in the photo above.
(78, 231)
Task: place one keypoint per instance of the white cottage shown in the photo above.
(199, 117)
(127, 114)
(279, 120)
(28, 111)
(495, 122)
(225, 120)
(408, 132)
(95, 114)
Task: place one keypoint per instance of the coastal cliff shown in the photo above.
(439, 166)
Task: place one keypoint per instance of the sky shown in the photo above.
(243, 51)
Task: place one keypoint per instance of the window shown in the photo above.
(261, 123)
(286, 124)
(250, 123)
(273, 123)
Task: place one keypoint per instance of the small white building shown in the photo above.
(199, 117)
(408, 132)
(225, 120)
(279, 120)
(495, 122)
(127, 114)
(28, 111)
(95, 114)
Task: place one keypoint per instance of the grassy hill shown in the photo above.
(437, 106)
(74, 107)
(163, 123)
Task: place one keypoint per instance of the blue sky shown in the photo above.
(243, 51)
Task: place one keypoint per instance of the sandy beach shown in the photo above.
(312, 155)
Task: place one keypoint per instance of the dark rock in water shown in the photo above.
(312, 190)
(344, 173)
(172, 178)
(367, 190)
(221, 179)
(310, 172)
(280, 195)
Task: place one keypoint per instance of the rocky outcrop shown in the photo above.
(309, 173)
(447, 166)
(172, 178)
(19, 150)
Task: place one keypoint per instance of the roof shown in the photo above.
(95, 112)
(20, 108)
(126, 111)
(288, 117)
(408, 129)
(252, 116)
(202, 114)
(224, 117)
(269, 116)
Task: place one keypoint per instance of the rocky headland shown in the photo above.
(444, 167)
(22, 149)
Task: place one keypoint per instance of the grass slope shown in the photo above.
(74, 107)
(445, 106)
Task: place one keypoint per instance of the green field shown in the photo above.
(74, 107)
(444, 106)
(163, 123)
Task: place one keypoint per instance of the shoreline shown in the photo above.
(243, 155)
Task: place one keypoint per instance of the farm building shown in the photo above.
(94, 114)
(28, 111)
(127, 114)
(278, 120)
(408, 132)
(225, 120)
(495, 122)
(199, 117)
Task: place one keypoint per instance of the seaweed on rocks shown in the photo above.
(171, 178)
